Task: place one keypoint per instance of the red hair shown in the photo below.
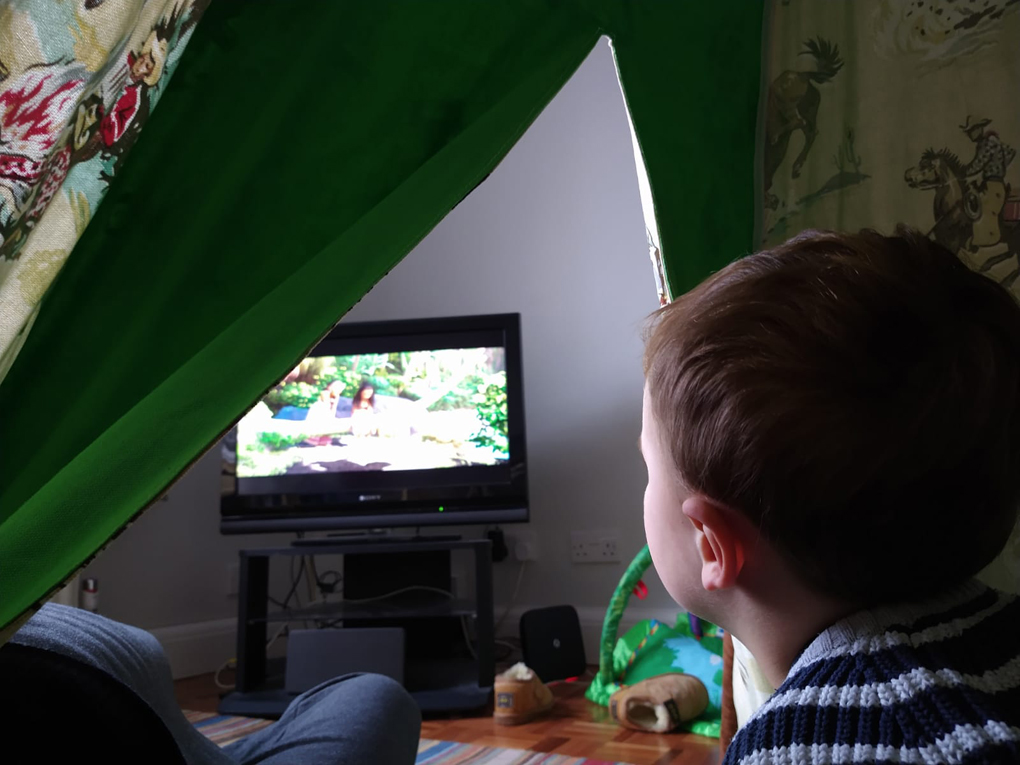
(858, 397)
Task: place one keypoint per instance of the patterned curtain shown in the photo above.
(77, 84)
(302, 150)
(888, 111)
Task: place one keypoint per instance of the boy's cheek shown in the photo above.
(666, 554)
(673, 555)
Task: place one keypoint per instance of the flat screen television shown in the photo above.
(385, 424)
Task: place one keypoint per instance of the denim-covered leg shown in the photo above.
(129, 655)
(349, 720)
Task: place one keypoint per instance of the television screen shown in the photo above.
(402, 410)
(411, 422)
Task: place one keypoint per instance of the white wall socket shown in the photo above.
(599, 546)
(523, 546)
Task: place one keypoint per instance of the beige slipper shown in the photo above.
(659, 704)
(520, 696)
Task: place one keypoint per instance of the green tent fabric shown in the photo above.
(301, 151)
(690, 75)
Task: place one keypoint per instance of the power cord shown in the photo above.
(499, 549)
(295, 580)
(386, 596)
(513, 599)
(511, 648)
(295, 577)
(467, 638)
(329, 581)
(293, 591)
(311, 576)
(231, 663)
(389, 595)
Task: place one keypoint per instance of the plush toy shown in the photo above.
(659, 704)
(652, 649)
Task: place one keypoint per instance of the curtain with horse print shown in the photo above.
(896, 111)
(881, 112)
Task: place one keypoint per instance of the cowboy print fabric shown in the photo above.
(888, 111)
(78, 81)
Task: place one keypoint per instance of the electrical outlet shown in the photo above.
(595, 546)
(523, 546)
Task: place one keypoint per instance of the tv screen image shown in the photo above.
(413, 422)
(403, 410)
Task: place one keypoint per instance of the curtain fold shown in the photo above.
(78, 82)
(693, 100)
(302, 151)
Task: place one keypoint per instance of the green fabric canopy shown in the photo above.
(299, 153)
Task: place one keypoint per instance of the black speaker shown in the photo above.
(552, 644)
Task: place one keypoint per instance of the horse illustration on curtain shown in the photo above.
(919, 127)
(907, 117)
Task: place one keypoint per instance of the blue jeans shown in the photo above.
(351, 719)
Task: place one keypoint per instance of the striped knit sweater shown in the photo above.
(932, 683)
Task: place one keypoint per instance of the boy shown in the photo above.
(832, 435)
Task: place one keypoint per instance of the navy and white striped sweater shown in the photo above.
(931, 683)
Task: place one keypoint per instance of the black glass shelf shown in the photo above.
(437, 683)
(409, 607)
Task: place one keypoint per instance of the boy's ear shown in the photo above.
(718, 542)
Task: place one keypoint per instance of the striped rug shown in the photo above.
(225, 730)
(451, 753)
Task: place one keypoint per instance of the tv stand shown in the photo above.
(362, 539)
(442, 685)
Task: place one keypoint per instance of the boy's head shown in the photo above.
(852, 398)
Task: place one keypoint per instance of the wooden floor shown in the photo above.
(574, 727)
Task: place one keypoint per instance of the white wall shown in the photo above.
(556, 233)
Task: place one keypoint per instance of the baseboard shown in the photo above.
(69, 594)
(195, 649)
